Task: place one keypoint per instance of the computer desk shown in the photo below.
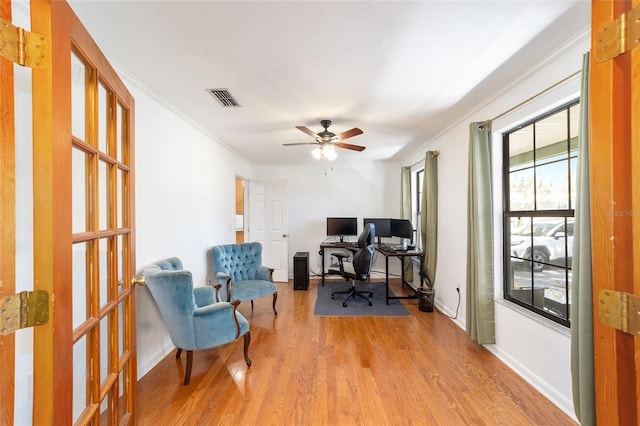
(381, 248)
(329, 245)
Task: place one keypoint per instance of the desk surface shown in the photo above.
(382, 248)
(387, 252)
(337, 244)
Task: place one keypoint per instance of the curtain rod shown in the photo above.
(433, 154)
(542, 92)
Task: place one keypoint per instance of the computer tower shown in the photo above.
(301, 270)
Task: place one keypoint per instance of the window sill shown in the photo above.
(535, 317)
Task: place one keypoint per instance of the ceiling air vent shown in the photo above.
(224, 97)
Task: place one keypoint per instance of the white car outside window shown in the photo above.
(543, 244)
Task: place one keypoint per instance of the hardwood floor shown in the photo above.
(309, 370)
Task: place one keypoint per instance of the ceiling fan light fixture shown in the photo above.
(329, 152)
(326, 151)
(317, 153)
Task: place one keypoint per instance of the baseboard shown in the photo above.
(549, 392)
(150, 361)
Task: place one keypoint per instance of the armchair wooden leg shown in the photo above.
(252, 305)
(178, 353)
(275, 297)
(187, 373)
(247, 341)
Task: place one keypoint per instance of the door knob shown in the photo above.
(140, 280)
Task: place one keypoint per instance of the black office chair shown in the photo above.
(359, 267)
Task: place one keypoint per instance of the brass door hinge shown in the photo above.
(22, 310)
(618, 36)
(23, 47)
(619, 310)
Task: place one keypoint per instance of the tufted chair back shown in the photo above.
(240, 261)
(238, 272)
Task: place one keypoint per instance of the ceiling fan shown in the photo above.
(328, 140)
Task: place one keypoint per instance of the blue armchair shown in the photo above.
(194, 317)
(239, 271)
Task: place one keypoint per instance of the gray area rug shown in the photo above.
(328, 307)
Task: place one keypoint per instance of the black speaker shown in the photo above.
(301, 270)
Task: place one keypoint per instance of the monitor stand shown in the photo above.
(342, 238)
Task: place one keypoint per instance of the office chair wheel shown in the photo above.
(370, 304)
(344, 304)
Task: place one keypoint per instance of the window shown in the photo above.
(539, 175)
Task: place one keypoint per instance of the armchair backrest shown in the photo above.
(240, 261)
(363, 257)
(172, 290)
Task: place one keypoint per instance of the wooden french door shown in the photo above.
(84, 357)
(615, 195)
(7, 224)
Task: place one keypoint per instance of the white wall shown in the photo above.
(185, 203)
(536, 348)
(346, 190)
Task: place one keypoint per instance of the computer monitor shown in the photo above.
(383, 227)
(402, 228)
(341, 226)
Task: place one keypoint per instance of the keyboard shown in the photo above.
(393, 248)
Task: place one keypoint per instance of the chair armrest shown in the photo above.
(341, 261)
(224, 281)
(264, 273)
(204, 296)
(222, 278)
(340, 256)
(225, 311)
(213, 309)
(217, 288)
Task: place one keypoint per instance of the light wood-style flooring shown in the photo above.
(309, 370)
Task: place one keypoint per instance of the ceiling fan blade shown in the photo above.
(349, 146)
(300, 143)
(307, 131)
(349, 134)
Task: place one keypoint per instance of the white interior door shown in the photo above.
(268, 224)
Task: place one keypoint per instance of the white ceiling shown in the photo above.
(399, 70)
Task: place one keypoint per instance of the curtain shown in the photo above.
(480, 287)
(429, 218)
(405, 213)
(581, 308)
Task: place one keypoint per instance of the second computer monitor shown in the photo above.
(402, 228)
(383, 227)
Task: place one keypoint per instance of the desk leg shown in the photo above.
(386, 264)
(322, 255)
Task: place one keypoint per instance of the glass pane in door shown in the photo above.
(78, 191)
(103, 110)
(78, 101)
(103, 269)
(103, 180)
(80, 281)
(80, 377)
